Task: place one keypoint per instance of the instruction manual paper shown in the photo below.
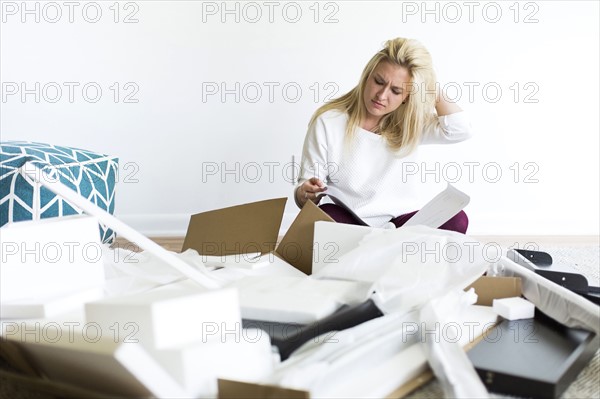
(434, 214)
(440, 209)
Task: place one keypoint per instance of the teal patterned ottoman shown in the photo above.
(90, 174)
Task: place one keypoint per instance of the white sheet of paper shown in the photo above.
(440, 209)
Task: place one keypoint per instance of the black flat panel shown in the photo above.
(536, 358)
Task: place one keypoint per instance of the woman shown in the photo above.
(356, 144)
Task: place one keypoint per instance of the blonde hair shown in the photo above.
(403, 127)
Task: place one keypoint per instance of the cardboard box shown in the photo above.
(254, 228)
(75, 360)
(490, 288)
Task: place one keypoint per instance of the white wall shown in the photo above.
(547, 54)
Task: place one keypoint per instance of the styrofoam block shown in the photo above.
(243, 355)
(167, 317)
(49, 306)
(515, 308)
(278, 307)
(50, 257)
(289, 299)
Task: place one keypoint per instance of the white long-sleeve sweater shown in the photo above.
(365, 174)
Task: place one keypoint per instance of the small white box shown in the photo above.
(514, 308)
(167, 317)
(50, 257)
(289, 299)
(243, 355)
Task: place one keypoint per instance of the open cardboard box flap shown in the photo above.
(489, 288)
(229, 389)
(254, 227)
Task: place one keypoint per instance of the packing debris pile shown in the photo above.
(133, 324)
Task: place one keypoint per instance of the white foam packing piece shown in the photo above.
(514, 308)
(289, 299)
(284, 309)
(50, 257)
(166, 317)
(49, 306)
(242, 355)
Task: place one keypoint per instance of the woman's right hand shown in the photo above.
(309, 190)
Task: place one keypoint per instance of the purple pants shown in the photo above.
(458, 222)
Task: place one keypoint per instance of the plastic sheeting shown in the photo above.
(559, 303)
(410, 266)
(446, 357)
(332, 359)
(418, 273)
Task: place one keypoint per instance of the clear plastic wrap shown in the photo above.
(410, 266)
(559, 303)
(446, 357)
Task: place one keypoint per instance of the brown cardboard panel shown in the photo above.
(490, 288)
(34, 381)
(236, 390)
(411, 385)
(238, 229)
(14, 356)
(296, 247)
(35, 385)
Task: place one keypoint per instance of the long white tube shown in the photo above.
(54, 184)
